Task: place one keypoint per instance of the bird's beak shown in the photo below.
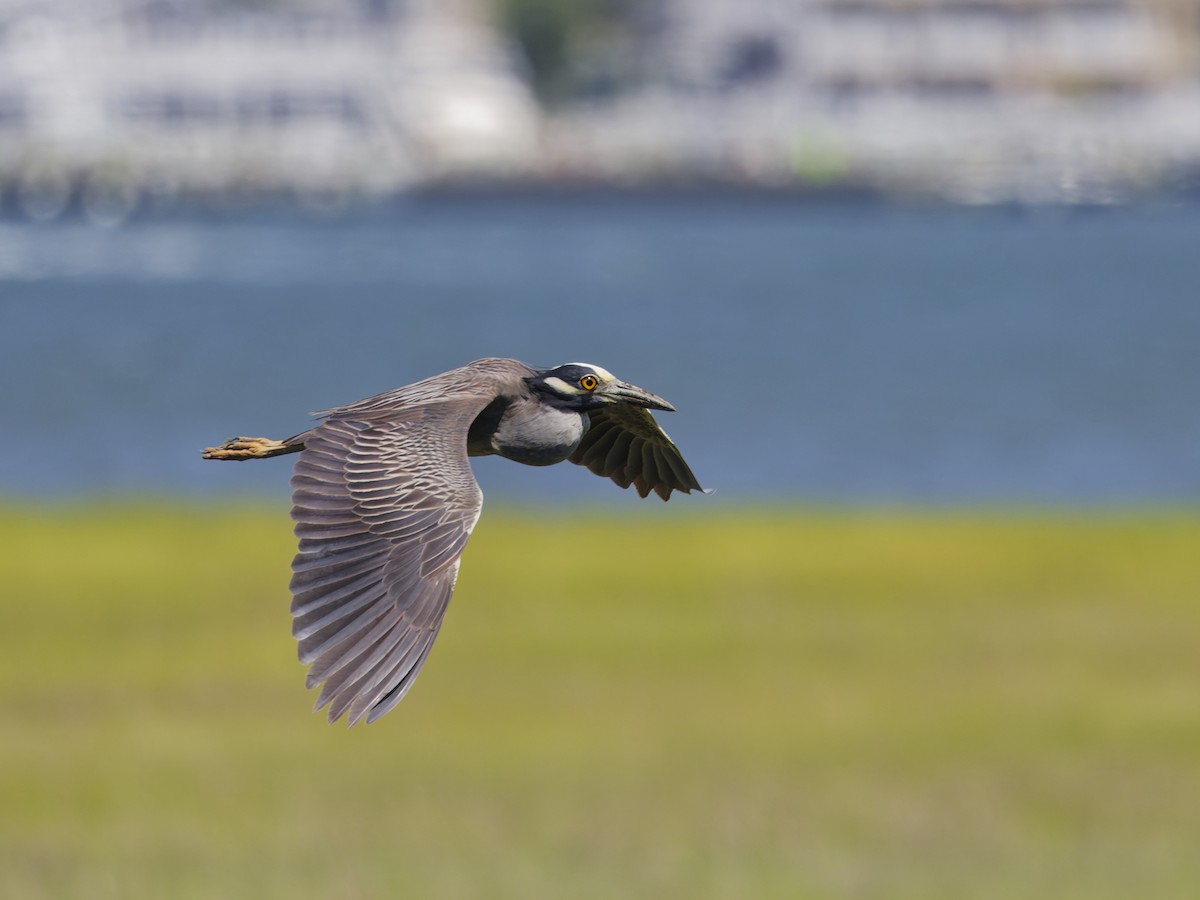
(620, 392)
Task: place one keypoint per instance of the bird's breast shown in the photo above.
(538, 435)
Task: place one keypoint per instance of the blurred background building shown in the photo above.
(117, 104)
(974, 99)
(121, 101)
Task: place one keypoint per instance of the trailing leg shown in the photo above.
(242, 448)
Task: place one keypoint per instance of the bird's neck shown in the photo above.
(535, 434)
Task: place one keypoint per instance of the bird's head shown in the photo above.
(582, 387)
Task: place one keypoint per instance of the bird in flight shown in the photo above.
(383, 501)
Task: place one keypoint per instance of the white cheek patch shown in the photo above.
(561, 387)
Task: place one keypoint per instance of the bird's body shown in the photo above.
(383, 500)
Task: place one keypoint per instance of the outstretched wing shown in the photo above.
(383, 506)
(626, 444)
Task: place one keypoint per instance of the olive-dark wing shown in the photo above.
(383, 506)
(626, 444)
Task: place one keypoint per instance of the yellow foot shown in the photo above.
(240, 448)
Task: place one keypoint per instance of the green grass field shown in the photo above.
(620, 705)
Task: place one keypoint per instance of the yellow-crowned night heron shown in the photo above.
(383, 500)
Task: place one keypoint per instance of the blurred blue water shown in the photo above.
(822, 353)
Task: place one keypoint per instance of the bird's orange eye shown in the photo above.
(589, 382)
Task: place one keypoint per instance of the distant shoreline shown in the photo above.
(553, 192)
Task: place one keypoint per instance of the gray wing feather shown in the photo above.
(383, 502)
(626, 444)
